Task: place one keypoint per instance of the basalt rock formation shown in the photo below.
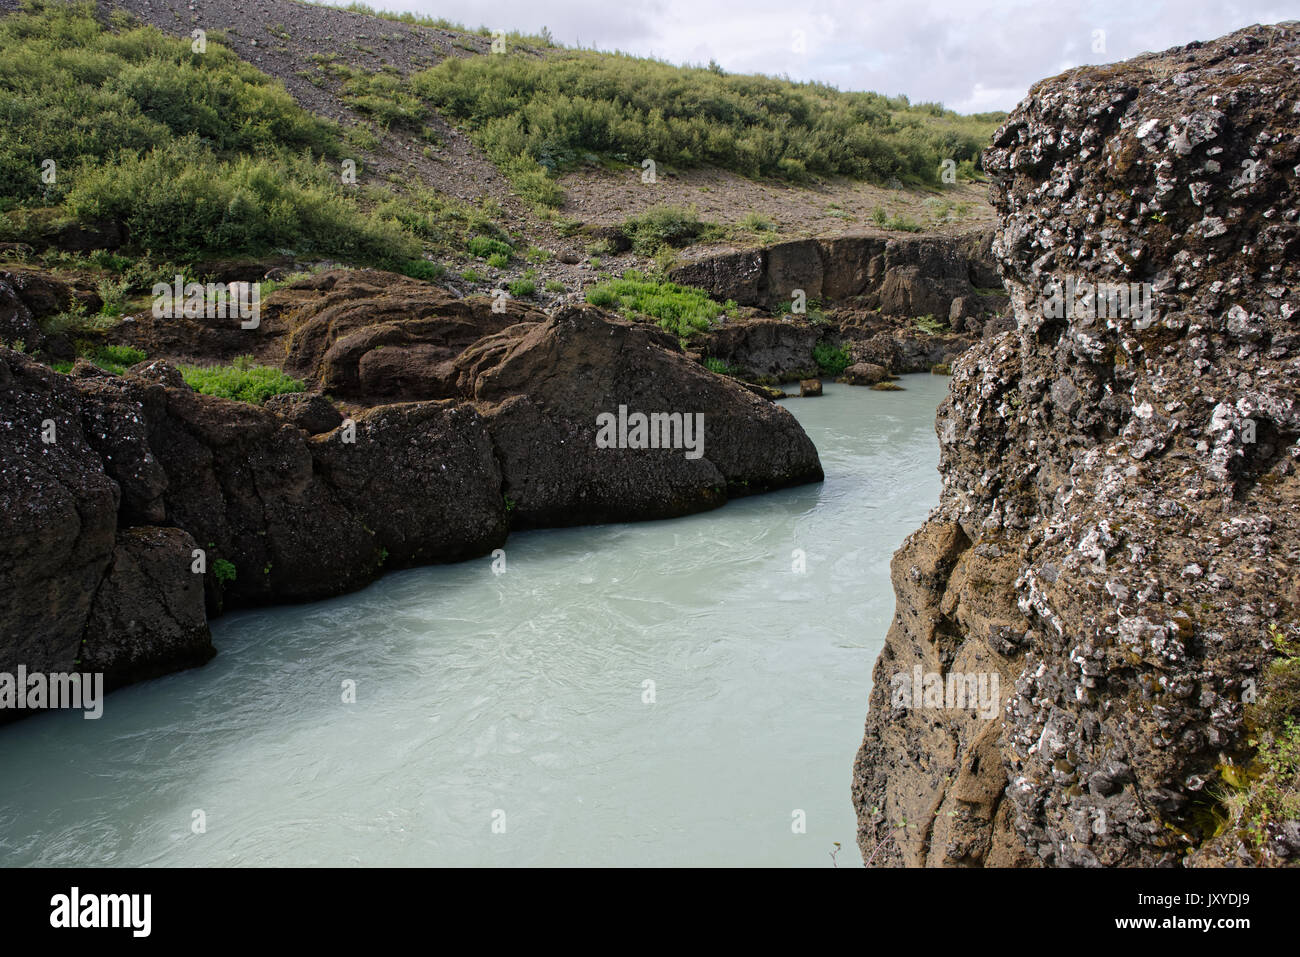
(900, 277)
(1118, 531)
(869, 289)
(133, 507)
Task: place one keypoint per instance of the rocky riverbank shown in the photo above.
(1116, 543)
(137, 507)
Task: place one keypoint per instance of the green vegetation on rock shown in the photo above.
(681, 310)
(1265, 793)
(241, 380)
(831, 360)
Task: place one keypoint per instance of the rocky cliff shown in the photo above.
(1116, 542)
(865, 294)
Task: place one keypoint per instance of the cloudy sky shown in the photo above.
(971, 55)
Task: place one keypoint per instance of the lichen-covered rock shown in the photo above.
(1119, 522)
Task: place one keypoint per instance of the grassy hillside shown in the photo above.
(552, 113)
(194, 153)
(202, 156)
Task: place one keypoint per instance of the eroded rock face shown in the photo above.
(1119, 527)
(374, 336)
(59, 511)
(542, 387)
(771, 349)
(147, 618)
(914, 276)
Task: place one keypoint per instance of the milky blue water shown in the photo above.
(506, 719)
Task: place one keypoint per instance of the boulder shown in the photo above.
(309, 411)
(864, 373)
(810, 387)
(372, 335)
(542, 387)
(765, 348)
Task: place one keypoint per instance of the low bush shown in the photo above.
(681, 310)
(241, 380)
(831, 360)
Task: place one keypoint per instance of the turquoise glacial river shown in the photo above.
(659, 693)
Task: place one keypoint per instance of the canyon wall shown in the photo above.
(1118, 532)
(912, 276)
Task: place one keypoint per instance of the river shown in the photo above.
(657, 693)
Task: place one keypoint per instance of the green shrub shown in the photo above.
(523, 288)
(756, 223)
(554, 286)
(902, 224)
(423, 269)
(714, 364)
(484, 247)
(113, 293)
(224, 570)
(442, 221)
(198, 155)
(498, 260)
(930, 325)
(666, 226)
(178, 199)
(74, 321)
(241, 381)
(831, 360)
(681, 310)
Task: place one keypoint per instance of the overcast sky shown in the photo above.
(971, 55)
